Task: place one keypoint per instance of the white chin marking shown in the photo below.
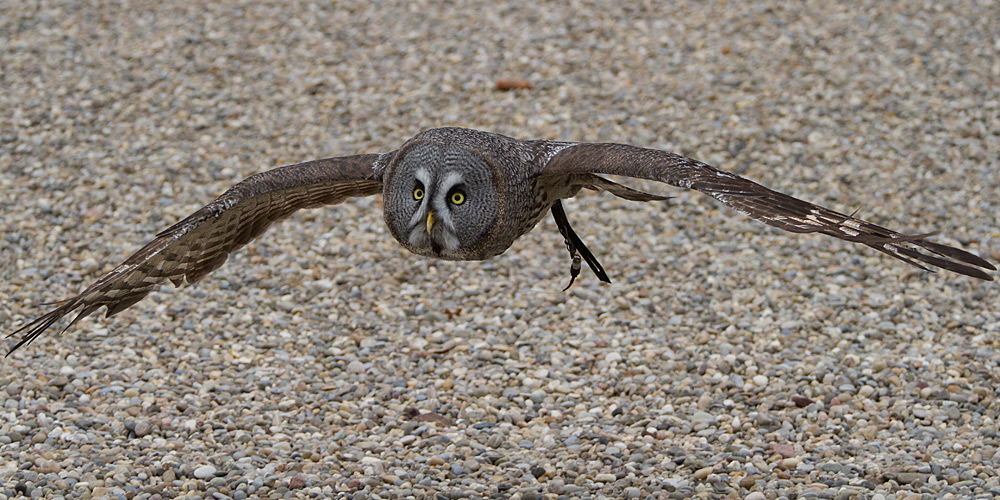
(445, 239)
(419, 238)
(450, 241)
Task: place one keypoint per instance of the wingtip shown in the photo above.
(34, 328)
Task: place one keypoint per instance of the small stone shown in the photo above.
(702, 417)
(605, 478)
(911, 477)
(142, 428)
(756, 495)
(801, 401)
(702, 473)
(784, 449)
(538, 396)
(204, 472)
(495, 441)
(831, 467)
(296, 482)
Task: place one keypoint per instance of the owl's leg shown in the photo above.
(574, 245)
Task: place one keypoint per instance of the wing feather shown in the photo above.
(766, 205)
(202, 241)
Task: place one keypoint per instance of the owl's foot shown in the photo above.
(574, 244)
(574, 268)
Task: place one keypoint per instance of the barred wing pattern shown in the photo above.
(766, 205)
(202, 242)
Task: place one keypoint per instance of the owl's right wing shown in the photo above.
(201, 242)
(766, 205)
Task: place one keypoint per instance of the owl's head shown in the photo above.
(441, 200)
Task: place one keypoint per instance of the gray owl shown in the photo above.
(460, 194)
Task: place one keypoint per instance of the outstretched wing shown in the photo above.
(201, 242)
(761, 203)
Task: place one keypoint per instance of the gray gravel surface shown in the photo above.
(727, 359)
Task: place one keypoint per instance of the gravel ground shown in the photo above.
(727, 359)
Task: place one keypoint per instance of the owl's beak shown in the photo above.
(430, 221)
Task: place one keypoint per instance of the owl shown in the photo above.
(461, 194)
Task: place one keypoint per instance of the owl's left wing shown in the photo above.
(766, 205)
(201, 242)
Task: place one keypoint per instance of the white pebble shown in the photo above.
(204, 472)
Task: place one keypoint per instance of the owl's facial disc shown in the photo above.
(442, 201)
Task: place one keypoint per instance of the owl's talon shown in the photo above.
(571, 280)
(574, 270)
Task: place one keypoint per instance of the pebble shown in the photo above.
(142, 428)
(726, 359)
(205, 472)
(702, 473)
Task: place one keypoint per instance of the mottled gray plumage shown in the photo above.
(461, 194)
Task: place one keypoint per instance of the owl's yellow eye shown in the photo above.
(457, 198)
(418, 194)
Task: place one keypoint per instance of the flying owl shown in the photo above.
(460, 194)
